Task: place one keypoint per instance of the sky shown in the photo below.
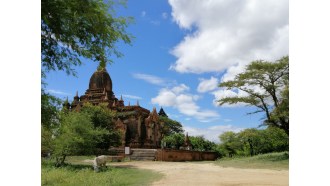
(309, 55)
(181, 51)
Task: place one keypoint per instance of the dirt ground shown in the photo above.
(205, 173)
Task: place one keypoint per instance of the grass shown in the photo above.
(274, 161)
(80, 173)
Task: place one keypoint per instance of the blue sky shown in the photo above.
(181, 51)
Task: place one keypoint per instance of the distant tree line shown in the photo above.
(198, 143)
(251, 141)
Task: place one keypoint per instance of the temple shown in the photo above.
(140, 127)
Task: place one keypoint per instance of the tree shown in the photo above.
(252, 138)
(230, 143)
(252, 141)
(279, 117)
(278, 140)
(174, 141)
(170, 126)
(76, 135)
(74, 29)
(199, 143)
(265, 84)
(102, 117)
(50, 107)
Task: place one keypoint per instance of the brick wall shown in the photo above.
(184, 155)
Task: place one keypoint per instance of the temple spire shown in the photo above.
(121, 97)
(129, 103)
(77, 93)
(162, 112)
(137, 103)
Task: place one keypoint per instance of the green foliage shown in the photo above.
(76, 135)
(199, 143)
(81, 173)
(230, 144)
(102, 117)
(276, 161)
(267, 86)
(72, 29)
(174, 141)
(250, 142)
(47, 145)
(279, 117)
(50, 106)
(170, 126)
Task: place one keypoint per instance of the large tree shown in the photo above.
(266, 86)
(76, 135)
(102, 117)
(170, 126)
(75, 28)
(199, 143)
(71, 30)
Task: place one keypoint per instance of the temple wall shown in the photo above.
(184, 155)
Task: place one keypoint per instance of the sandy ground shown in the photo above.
(201, 173)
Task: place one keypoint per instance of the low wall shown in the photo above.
(184, 155)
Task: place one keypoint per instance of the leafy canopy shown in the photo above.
(102, 117)
(73, 29)
(170, 126)
(264, 83)
(252, 141)
(76, 135)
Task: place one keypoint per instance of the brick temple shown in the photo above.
(140, 127)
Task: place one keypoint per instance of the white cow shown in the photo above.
(100, 161)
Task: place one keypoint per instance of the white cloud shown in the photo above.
(211, 133)
(131, 96)
(150, 79)
(229, 33)
(178, 98)
(179, 89)
(164, 15)
(222, 93)
(232, 72)
(58, 92)
(206, 85)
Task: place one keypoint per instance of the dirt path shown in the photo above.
(205, 174)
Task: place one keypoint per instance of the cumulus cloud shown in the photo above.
(211, 133)
(179, 98)
(222, 93)
(206, 85)
(229, 33)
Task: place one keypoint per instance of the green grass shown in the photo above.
(275, 161)
(81, 173)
